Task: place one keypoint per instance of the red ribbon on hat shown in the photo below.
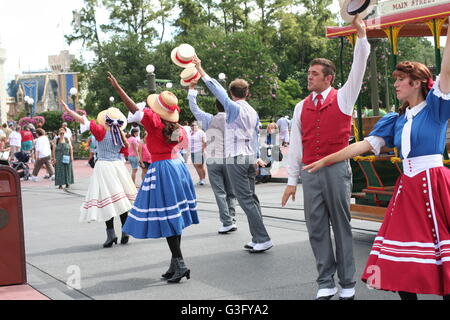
(167, 107)
(182, 61)
(430, 83)
(189, 80)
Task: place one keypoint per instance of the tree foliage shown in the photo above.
(269, 43)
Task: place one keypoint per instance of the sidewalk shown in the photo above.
(20, 292)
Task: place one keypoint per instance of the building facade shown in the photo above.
(47, 88)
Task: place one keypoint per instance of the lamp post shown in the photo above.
(73, 94)
(222, 79)
(29, 105)
(151, 78)
(31, 101)
(111, 101)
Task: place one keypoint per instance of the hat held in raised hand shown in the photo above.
(188, 75)
(350, 8)
(165, 105)
(183, 55)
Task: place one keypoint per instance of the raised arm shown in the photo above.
(72, 113)
(349, 152)
(349, 92)
(360, 26)
(202, 117)
(444, 82)
(232, 109)
(129, 103)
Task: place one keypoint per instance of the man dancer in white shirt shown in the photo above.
(241, 149)
(214, 127)
(321, 126)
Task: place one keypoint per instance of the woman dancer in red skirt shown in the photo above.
(411, 253)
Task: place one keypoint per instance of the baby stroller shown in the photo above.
(21, 165)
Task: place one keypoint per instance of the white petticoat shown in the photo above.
(111, 192)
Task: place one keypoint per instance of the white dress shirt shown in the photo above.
(241, 128)
(346, 97)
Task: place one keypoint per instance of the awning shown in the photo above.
(414, 23)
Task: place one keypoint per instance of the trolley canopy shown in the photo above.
(413, 21)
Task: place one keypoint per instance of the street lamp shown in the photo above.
(29, 102)
(222, 79)
(25, 100)
(111, 101)
(73, 94)
(151, 78)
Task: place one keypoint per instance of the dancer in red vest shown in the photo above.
(321, 126)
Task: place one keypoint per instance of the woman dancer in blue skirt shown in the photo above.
(166, 202)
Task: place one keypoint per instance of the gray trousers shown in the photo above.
(327, 200)
(223, 191)
(242, 172)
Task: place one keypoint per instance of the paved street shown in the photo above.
(58, 248)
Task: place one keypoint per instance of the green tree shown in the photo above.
(85, 27)
(131, 17)
(126, 59)
(191, 16)
(53, 120)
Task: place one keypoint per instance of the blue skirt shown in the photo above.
(166, 202)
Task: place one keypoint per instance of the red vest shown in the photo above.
(325, 130)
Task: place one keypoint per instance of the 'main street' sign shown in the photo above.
(396, 6)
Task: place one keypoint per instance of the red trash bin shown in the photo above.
(12, 245)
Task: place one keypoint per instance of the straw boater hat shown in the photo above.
(188, 75)
(349, 8)
(165, 105)
(112, 115)
(113, 119)
(183, 55)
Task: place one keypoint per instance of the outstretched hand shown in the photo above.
(113, 80)
(313, 167)
(198, 65)
(65, 106)
(360, 26)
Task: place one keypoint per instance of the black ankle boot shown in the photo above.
(125, 238)
(180, 271)
(111, 238)
(171, 271)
